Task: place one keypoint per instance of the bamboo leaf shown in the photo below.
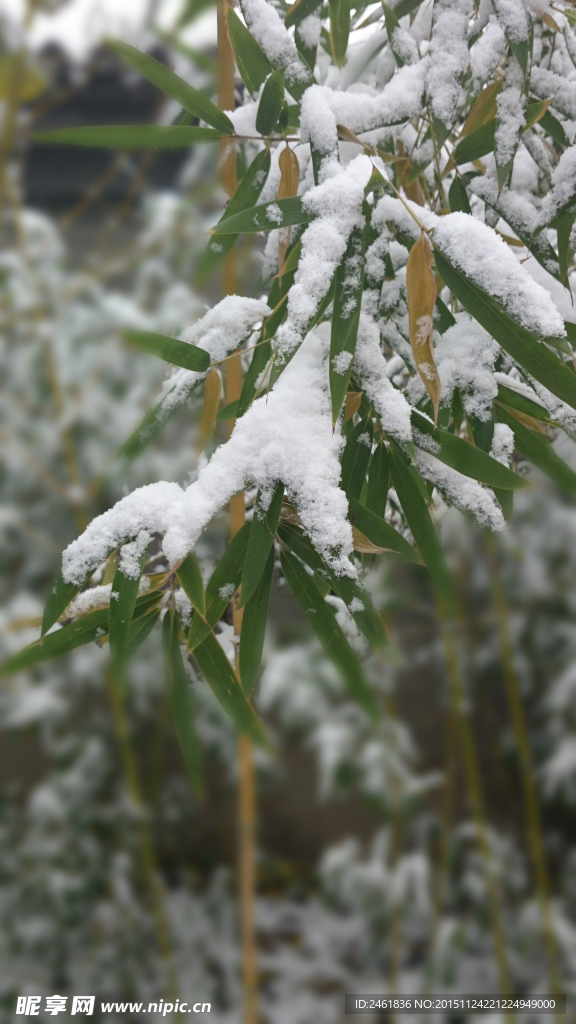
(380, 532)
(345, 319)
(392, 24)
(190, 577)
(300, 10)
(171, 85)
(464, 457)
(212, 390)
(220, 676)
(254, 627)
(253, 65)
(260, 360)
(221, 588)
(229, 412)
(260, 542)
(281, 213)
(523, 346)
(180, 702)
(61, 593)
(477, 144)
(122, 605)
(422, 528)
(245, 196)
(421, 289)
(356, 457)
(378, 476)
(139, 630)
(348, 589)
(130, 136)
(270, 103)
(179, 353)
(55, 645)
(329, 633)
(353, 402)
(288, 187)
(539, 451)
(458, 197)
(339, 30)
(483, 109)
(516, 400)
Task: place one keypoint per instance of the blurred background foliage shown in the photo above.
(114, 878)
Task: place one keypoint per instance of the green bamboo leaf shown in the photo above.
(171, 85)
(323, 622)
(523, 346)
(281, 213)
(190, 577)
(130, 136)
(516, 400)
(62, 641)
(521, 51)
(406, 7)
(356, 457)
(345, 318)
(140, 629)
(477, 144)
(458, 196)
(443, 318)
(253, 64)
(380, 532)
(348, 589)
(122, 605)
(229, 412)
(418, 518)
(270, 103)
(155, 420)
(254, 627)
(245, 196)
(464, 457)
(339, 30)
(378, 476)
(180, 702)
(392, 24)
(61, 593)
(260, 360)
(220, 676)
(300, 10)
(260, 542)
(553, 127)
(221, 588)
(564, 224)
(539, 451)
(179, 353)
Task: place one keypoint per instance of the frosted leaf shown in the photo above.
(337, 206)
(97, 597)
(274, 213)
(547, 85)
(356, 605)
(341, 362)
(269, 31)
(309, 30)
(502, 447)
(370, 365)
(513, 18)
(487, 52)
(323, 108)
(226, 592)
(563, 185)
(465, 494)
(184, 607)
(404, 45)
(511, 103)
(131, 555)
(483, 256)
(449, 57)
(518, 211)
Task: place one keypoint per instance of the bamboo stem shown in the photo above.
(535, 836)
(144, 837)
(246, 779)
(474, 785)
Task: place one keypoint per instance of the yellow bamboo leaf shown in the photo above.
(528, 421)
(549, 20)
(347, 135)
(539, 109)
(363, 545)
(353, 400)
(212, 391)
(421, 288)
(288, 187)
(412, 189)
(483, 109)
(27, 80)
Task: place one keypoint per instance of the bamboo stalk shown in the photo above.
(144, 837)
(474, 786)
(532, 807)
(246, 780)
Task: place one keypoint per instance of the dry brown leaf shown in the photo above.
(539, 113)
(549, 20)
(353, 400)
(483, 109)
(288, 513)
(412, 189)
(363, 545)
(212, 391)
(347, 135)
(421, 288)
(528, 421)
(288, 187)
